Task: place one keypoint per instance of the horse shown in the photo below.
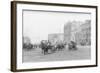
(46, 46)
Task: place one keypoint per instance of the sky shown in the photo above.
(38, 24)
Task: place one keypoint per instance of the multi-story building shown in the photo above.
(77, 31)
(67, 32)
(85, 33)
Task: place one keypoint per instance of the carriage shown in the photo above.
(47, 46)
(72, 45)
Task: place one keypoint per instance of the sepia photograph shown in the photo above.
(46, 36)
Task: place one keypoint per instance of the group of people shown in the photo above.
(47, 46)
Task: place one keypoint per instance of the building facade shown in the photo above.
(58, 37)
(67, 32)
(84, 36)
(77, 31)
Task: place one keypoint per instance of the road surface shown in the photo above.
(35, 55)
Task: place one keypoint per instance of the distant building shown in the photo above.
(75, 28)
(84, 36)
(67, 32)
(58, 37)
(70, 29)
(77, 31)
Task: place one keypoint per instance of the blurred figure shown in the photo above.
(27, 43)
(72, 45)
